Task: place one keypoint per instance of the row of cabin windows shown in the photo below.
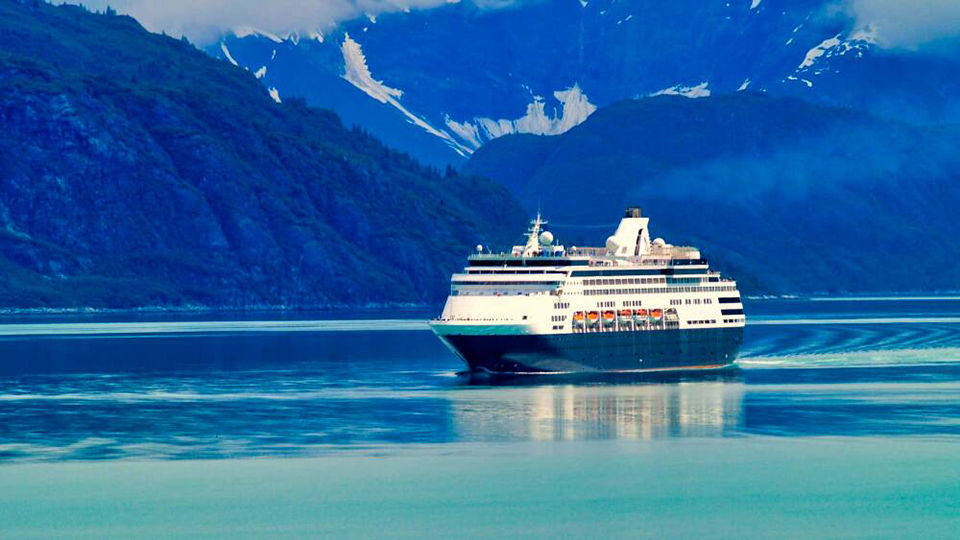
(472, 271)
(561, 305)
(711, 321)
(731, 320)
(606, 304)
(624, 281)
(603, 292)
(558, 318)
(632, 303)
(645, 281)
(690, 301)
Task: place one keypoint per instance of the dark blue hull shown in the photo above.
(601, 351)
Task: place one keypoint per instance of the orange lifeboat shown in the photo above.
(578, 318)
(609, 316)
(640, 315)
(623, 316)
(656, 314)
(593, 317)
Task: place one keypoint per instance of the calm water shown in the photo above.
(842, 421)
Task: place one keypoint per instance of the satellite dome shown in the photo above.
(659, 242)
(479, 248)
(546, 238)
(612, 244)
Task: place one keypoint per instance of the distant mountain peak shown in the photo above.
(575, 108)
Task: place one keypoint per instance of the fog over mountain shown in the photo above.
(902, 24)
(912, 24)
(206, 20)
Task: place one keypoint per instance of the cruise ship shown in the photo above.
(635, 304)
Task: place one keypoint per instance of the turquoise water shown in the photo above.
(842, 422)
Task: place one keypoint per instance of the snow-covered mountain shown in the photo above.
(440, 83)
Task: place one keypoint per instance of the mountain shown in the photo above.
(441, 82)
(787, 195)
(135, 170)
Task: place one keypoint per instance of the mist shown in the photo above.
(204, 21)
(912, 24)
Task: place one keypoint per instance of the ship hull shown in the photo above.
(707, 348)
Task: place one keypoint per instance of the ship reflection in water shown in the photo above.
(707, 406)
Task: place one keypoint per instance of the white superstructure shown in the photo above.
(632, 284)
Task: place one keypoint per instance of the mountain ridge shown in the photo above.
(608, 50)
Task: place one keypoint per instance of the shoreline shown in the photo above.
(194, 309)
(373, 307)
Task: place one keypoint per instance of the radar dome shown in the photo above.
(659, 242)
(612, 244)
(479, 248)
(546, 238)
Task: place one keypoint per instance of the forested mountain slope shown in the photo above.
(136, 170)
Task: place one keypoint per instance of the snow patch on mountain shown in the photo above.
(865, 35)
(274, 94)
(575, 108)
(467, 131)
(245, 31)
(755, 4)
(227, 55)
(860, 40)
(819, 51)
(260, 73)
(357, 73)
(698, 91)
(744, 85)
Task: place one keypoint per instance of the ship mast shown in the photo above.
(532, 247)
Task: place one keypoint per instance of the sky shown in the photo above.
(899, 23)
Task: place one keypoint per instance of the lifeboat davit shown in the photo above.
(593, 317)
(609, 317)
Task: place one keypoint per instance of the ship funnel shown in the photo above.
(632, 238)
